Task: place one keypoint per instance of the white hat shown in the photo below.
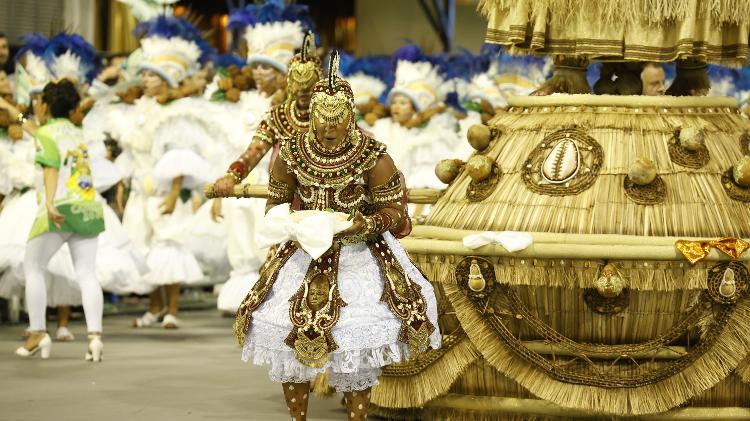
(420, 82)
(273, 43)
(171, 58)
(365, 87)
(483, 87)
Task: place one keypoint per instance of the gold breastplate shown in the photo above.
(332, 179)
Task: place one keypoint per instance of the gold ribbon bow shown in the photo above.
(696, 251)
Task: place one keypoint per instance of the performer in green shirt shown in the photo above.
(68, 214)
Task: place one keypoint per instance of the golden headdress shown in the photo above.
(305, 69)
(332, 98)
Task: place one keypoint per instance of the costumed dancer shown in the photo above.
(67, 57)
(165, 145)
(362, 304)
(283, 122)
(68, 214)
(242, 107)
(20, 208)
(17, 151)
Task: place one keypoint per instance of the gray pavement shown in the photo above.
(194, 373)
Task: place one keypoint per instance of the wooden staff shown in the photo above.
(260, 191)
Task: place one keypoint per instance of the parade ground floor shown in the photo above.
(193, 373)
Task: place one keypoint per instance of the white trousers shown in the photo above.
(39, 251)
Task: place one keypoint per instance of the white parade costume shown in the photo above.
(367, 334)
(241, 216)
(417, 150)
(336, 312)
(272, 44)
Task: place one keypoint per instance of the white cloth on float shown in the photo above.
(510, 240)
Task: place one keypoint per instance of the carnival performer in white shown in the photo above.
(164, 145)
(283, 121)
(271, 47)
(419, 132)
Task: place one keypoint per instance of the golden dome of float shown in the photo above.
(546, 330)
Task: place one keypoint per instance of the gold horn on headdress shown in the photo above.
(308, 46)
(333, 69)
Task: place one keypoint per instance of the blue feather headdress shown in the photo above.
(227, 60)
(409, 52)
(33, 43)
(241, 18)
(165, 26)
(69, 55)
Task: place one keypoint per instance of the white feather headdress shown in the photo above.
(421, 83)
(273, 43)
(365, 87)
(30, 77)
(483, 87)
(171, 58)
(67, 66)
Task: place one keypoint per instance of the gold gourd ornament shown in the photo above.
(728, 287)
(476, 279)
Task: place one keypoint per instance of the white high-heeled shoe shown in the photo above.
(45, 346)
(64, 334)
(96, 349)
(170, 322)
(147, 320)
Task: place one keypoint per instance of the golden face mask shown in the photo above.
(303, 76)
(333, 109)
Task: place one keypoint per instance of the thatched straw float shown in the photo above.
(603, 314)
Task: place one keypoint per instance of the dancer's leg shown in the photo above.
(173, 298)
(39, 251)
(63, 316)
(297, 396)
(83, 252)
(357, 404)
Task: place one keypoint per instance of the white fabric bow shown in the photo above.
(510, 240)
(314, 231)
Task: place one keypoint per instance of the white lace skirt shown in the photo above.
(366, 333)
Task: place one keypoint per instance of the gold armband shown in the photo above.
(280, 191)
(389, 192)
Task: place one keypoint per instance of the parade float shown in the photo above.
(625, 290)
